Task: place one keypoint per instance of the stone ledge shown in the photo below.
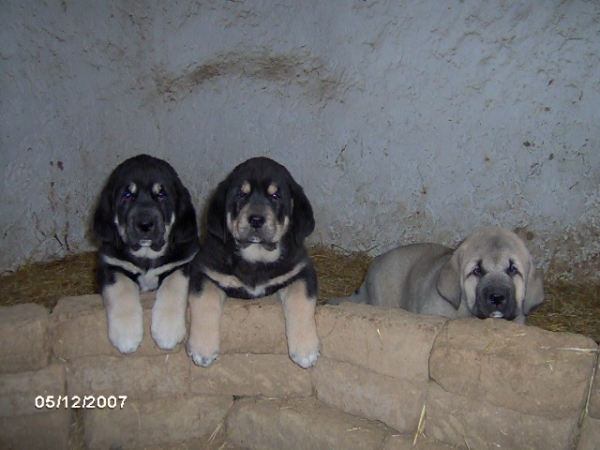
(24, 344)
(514, 366)
(388, 341)
(283, 423)
(466, 422)
(367, 394)
(158, 422)
(252, 375)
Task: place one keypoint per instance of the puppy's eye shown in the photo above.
(512, 270)
(477, 272)
(128, 195)
(161, 195)
(276, 196)
(240, 195)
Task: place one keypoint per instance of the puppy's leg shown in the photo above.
(206, 307)
(124, 313)
(168, 314)
(299, 310)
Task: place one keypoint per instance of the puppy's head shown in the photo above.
(144, 207)
(493, 272)
(257, 205)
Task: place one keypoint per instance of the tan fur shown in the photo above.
(301, 329)
(168, 314)
(124, 314)
(205, 328)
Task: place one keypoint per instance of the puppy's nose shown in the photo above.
(496, 299)
(145, 225)
(256, 221)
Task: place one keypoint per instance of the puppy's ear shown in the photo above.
(104, 217)
(186, 226)
(534, 290)
(303, 221)
(448, 284)
(216, 211)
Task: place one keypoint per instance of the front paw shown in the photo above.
(305, 353)
(203, 349)
(200, 359)
(167, 330)
(126, 333)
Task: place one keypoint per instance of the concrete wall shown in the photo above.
(405, 121)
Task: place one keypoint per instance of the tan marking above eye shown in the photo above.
(157, 188)
(246, 188)
(132, 188)
(272, 189)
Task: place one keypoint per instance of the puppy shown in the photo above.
(257, 220)
(147, 225)
(491, 274)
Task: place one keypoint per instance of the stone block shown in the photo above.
(388, 341)
(475, 424)
(364, 393)
(594, 405)
(589, 438)
(157, 422)
(406, 442)
(300, 424)
(514, 366)
(18, 391)
(47, 430)
(255, 326)
(137, 377)
(24, 344)
(251, 375)
(79, 328)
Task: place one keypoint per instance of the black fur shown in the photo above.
(221, 253)
(144, 172)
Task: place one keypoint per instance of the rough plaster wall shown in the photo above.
(404, 121)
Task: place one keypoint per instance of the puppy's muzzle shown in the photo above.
(256, 221)
(496, 299)
(146, 228)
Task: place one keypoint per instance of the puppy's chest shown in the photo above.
(252, 285)
(148, 281)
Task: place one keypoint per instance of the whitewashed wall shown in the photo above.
(405, 121)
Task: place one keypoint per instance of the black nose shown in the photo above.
(496, 299)
(256, 221)
(145, 225)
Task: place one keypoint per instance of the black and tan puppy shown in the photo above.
(257, 220)
(147, 225)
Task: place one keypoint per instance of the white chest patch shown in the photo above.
(232, 282)
(148, 281)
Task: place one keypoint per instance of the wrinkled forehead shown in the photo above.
(494, 252)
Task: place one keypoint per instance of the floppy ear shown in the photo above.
(104, 217)
(534, 291)
(448, 284)
(303, 221)
(216, 211)
(186, 227)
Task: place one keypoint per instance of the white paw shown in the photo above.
(201, 359)
(305, 352)
(167, 331)
(305, 360)
(126, 333)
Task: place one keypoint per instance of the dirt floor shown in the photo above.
(570, 306)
